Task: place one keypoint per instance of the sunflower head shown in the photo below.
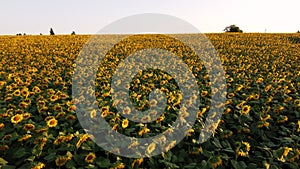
(61, 161)
(90, 157)
(125, 123)
(246, 109)
(52, 122)
(16, 118)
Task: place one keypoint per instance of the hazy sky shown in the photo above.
(87, 17)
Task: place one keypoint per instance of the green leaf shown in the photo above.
(169, 164)
(71, 164)
(50, 157)
(216, 142)
(291, 165)
(238, 164)
(191, 165)
(273, 167)
(20, 153)
(105, 163)
(25, 166)
(31, 158)
(8, 167)
(252, 166)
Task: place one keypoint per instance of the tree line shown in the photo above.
(231, 28)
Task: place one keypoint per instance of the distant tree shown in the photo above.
(51, 32)
(298, 31)
(233, 28)
(41, 34)
(19, 34)
(24, 34)
(73, 33)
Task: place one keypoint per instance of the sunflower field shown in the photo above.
(259, 127)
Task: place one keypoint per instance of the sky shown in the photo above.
(89, 16)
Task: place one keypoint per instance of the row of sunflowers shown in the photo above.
(259, 128)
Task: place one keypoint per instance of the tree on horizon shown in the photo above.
(51, 32)
(233, 28)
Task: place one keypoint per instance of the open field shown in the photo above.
(260, 126)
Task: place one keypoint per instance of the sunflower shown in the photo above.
(93, 113)
(60, 114)
(137, 162)
(231, 95)
(16, 118)
(282, 119)
(160, 118)
(266, 117)
(216, 161)
(243, 149)
(228, 102)
(256, 96)
(297, 102)
(61, 161)
(246, 109)
(9, 88)
(259, 80)
(104, 114)
(41, 103)
(1, 125)
(69, 137)
(143, 131)
(70, 117)
(90, 157)
(57, 108)
(239, 87)
(267, 88)
(59, 140)
(226, 134)
(230, 80)
(63, 96)
(127, 110)
(25, 92)
(53, 98)
(146, 119)
(150, 148)
(119, 166)
(298, 130)
(17, 92)
(284, 154)
(23, 105)
(171, 145)
(200, 113)
(40, 165)
(41, 130)
(25, 138)
(36, 89)
(52, 122)
(82, 139)
(72, 108)
(43, 109)
(228, 110)
(28, 127)
(115, 127)
(125, 123)
(204, 93)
